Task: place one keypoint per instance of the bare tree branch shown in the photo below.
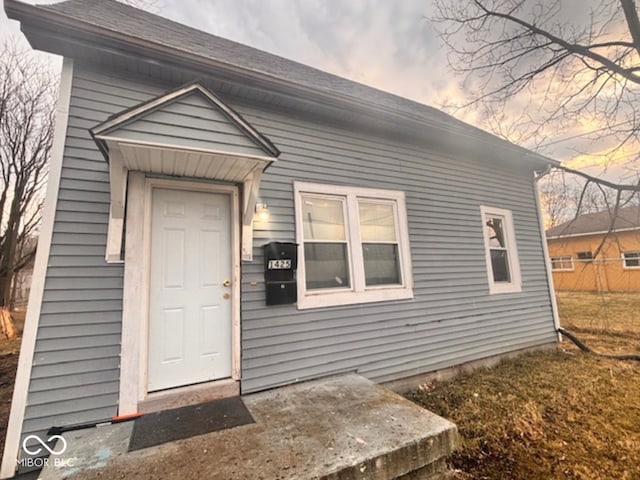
(567, 69)
(602, 181)
(27, 100)
(631, 14)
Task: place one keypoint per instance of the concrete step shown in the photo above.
(340, 428)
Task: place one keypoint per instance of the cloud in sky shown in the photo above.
(386, 44)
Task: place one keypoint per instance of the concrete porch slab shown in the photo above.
(335, 429)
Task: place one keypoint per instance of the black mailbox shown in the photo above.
(280, 263)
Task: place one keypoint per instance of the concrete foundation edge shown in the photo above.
(414, 381)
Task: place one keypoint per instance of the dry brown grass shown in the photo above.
(553, 414)
(609, 312)
(9, 350)
(544, 415)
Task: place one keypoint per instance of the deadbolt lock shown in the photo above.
(226, 283)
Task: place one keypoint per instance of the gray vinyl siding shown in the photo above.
(451, 320)
(206, 127)
(76, 365)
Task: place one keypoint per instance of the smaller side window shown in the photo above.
(562, 264)
(631, 259)
(503, 267)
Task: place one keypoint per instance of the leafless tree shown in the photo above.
(542, 71)
(555, 199)
(27, 101)
(552, 67)
(565, 195)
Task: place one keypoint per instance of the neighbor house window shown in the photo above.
(564, 263)
(503, 268)
(586, 256)
(354, 245)
(631, 259)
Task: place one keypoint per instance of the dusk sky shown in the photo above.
(386, 44)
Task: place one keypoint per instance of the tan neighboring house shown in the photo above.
(586, 256)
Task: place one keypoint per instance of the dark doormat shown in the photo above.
(169, 425)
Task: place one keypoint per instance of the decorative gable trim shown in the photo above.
(99, 132)
(167, 148)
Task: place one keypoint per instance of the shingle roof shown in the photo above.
(132, 24)
(124, 19)
(625, 219)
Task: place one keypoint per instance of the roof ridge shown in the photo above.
(600, 221)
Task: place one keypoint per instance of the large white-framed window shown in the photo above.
(501, 252)
(353, 244)
(631, 260)
(563, 263)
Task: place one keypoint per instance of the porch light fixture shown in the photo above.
(262, 212)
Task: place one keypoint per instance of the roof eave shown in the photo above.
(586, 234)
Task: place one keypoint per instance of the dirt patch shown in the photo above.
(9, 352)
(552, 415)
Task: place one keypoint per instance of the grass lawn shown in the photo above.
(600, 312)
(553, 414)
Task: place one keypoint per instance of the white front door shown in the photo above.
(190, 325)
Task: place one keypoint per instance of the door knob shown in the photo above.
(226, 283)
(226, 296)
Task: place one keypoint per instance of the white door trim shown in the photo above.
(135, 308)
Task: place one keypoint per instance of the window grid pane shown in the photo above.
(323, 218)
(381, 264)
(495, 231)
(562, 263)
(380, 250)
(326, 250)
(631, 259)
(585, 255)
(326, 265)
(500, 265)
(497, 249)
(377, 222)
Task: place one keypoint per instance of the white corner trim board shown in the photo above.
(19, 400)
(547, 260)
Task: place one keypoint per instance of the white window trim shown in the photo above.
(624, 261)
(359, 293)
(515, 285)
(560, 258)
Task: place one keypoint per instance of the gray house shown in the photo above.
(419, 245)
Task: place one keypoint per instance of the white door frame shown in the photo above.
(137, 267)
